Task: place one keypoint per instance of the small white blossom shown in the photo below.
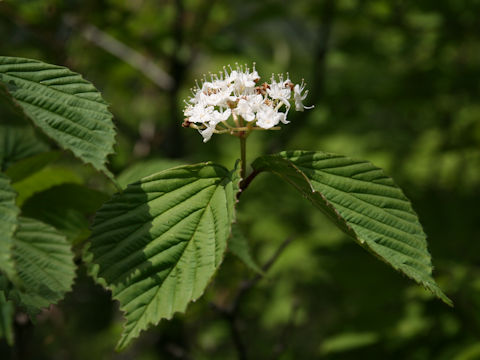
(216, 94)
(207, 132)
(298, 97)
(245, 110)
(267, 117)
(280, 91)
(215, 117)
(199, 113)
(244, 81)
(233, 102)
(248, 106)
(219, 116)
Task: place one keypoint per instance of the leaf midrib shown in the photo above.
(8, 74)
(174, 267)
(352, 194)
(46, 274)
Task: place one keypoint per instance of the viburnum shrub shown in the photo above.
(157, 243)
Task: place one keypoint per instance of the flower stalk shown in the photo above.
(243, 156)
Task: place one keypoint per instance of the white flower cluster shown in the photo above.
(232, 102)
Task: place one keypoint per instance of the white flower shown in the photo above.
(216, 93)
(244, 109)
(215, 117)
(235, 94)
(268, 117)
(247, 107)
(219, 116)
(207, 132)
(280, 91)
(199, 113)
(243, 81)
(297, 95)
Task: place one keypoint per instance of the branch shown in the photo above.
(245, 182)
(245, 286)
(138, 61)
(231, 317)
(231, 313)
(282, 342)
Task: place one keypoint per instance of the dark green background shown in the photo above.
(395, 82)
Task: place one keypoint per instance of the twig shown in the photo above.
(231, 313)
(231, 316)
(247, 285)
(245, 182)
(282, 342)
(140, 62)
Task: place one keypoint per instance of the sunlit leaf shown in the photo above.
(142, 169)
(157, 244)
(27, 166)
(348, 341)
(44, 179)
(363, 202)
(469, 352)
(63, 105)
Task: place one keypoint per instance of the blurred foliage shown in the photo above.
(395, 82)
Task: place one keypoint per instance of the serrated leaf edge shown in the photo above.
(16, 104)
(432, 287)
(88, 256)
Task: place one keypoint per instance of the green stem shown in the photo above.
(243, 156)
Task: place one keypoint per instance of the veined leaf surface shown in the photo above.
(145, 168)
(157, 244)
(363, 202)
(63, 105)
(8, 224)
(67, 208)
(17, 143)
(44, 262)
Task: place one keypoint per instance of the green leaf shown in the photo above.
(363, 202)
(157, 244)
(10, 114)
(8, 224)
(7, 311)
(42, 180)
(26, 167)
(66, 207)
(469, 352)
(17, 143)
(63, 105)
(44, 262)
(348, 341)
(238, 245)
(142, 169)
